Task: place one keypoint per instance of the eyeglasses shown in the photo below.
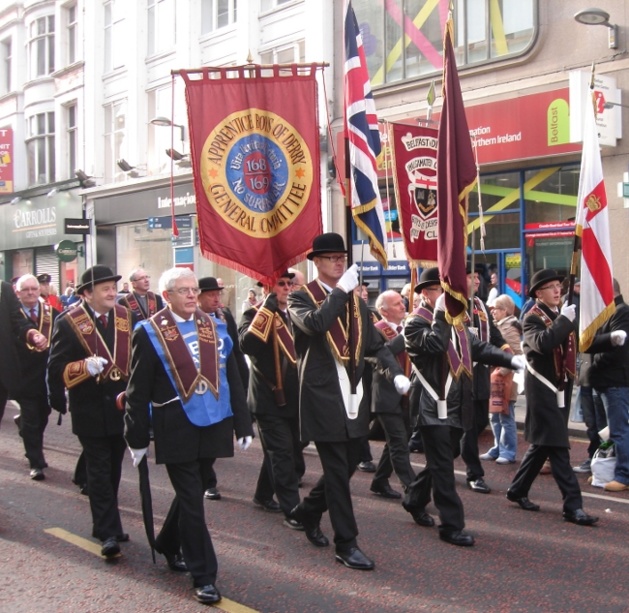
(284, 283)
(184, 291)
(142, 278)
(29, 289)
(553, 286)
(334, 258)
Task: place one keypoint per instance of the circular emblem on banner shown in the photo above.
(66, 251)
(257, 172)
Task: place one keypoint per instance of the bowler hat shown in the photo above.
(209, 284)
(429, 276)
(284, 275)
(95, 275)
(541, 277)
(44, 278)
(330, 242)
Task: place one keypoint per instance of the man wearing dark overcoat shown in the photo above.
(549, 345)
(89, 355)
(141, 300)
(329, 411)
(183, 365)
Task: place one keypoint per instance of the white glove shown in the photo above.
(569, 311)
(402, 384)
(95, 365)
(349, 280)
(618, 337)
(244, 442)
(518, 362)
(137, 455)
(440, 304)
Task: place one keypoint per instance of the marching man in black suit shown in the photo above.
(329, 414)
(141, 300)
(549, 345)
(32, 395)
(183, 364)
(89, 355)
(266, 336)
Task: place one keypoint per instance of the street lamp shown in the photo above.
(165, 122)
(599, 17)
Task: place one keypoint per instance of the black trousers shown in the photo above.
(561, 470)
(280, 440)
(103, 462)
(395, 455)
(185, 528)
(469, 442)
(332, 491)
(441, 444)
(4, 397)
(34, 414)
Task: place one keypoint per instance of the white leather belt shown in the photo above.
(442, 404)
(561, 403)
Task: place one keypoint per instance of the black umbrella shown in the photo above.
(147, 503)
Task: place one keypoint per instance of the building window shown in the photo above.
(115, 30)
(72, 138)
(404, 39)
(217, 14)
(6, 81)
(72, 31)
(115, 134)
(41, 45)
(161, 25)
(287, 54)
(40, 148)
(267, 5)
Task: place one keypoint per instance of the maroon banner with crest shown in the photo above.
(255, 154)
(414, 153)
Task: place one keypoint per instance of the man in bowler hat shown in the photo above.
(327, 334)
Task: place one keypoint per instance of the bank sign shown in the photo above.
(37, 222)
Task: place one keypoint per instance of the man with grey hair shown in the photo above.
(183, 365)
(141, 301)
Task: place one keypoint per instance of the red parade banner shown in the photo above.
(414, 153)
(255, 158)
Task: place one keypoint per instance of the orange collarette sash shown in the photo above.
(134, 305)
(389, 334)
(564, 356)
(337, 335)
(84, 327)
(187, 378)
(262, 325)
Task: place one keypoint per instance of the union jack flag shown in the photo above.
(363, 137)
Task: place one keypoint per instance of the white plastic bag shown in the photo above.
(603, 466)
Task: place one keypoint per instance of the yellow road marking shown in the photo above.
(225, 604)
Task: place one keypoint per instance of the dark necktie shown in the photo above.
(104, 320)
(33, 313)
(399, 329)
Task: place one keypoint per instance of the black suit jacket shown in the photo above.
(176, 438)
(385, 398)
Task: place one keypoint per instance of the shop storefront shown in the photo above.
(30, 232)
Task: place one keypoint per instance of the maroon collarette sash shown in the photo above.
(187, 378)
(459, 352)
(44, 323)
(337, 335)
(117, 366)
(133, 303)
(565, 359)
(389, 334)
(483, 319)
(262, 325)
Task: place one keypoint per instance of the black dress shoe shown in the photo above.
(212, 493)
(122, 538)
(456, 537)
(207, 594)
(422, 518)
(479, 485)
(37, 474)
(110, 547)
(176, 562)
(354, 558)
(293, 524)
(267, 505)
(386, 491)
(579, 517)
(367, 467)
(311, 527)
(523, 501)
